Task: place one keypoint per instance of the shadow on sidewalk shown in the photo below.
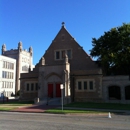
(35, 108)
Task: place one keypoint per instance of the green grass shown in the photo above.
(17, 102)
(115, 106)
(59, 111)
(7, 106)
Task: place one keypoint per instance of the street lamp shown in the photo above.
(62, 87)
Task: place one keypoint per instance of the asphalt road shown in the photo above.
(40, 121)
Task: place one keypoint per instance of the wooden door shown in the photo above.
(50, 90)
(58, 90)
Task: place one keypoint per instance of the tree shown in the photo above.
(113, 50)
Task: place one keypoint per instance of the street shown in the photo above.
(41, 121)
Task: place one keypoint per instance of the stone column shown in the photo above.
(41, 85)
(105, 93)
(122, 94)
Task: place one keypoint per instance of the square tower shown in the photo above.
(23, 58)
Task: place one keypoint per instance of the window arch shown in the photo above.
(25, 68)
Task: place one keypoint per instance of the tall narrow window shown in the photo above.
(91, 85)
(69, 54)
(9, 75)
(6, 65)
(85, 85)
(79, 85)
(12, 66)
(36, 86)
(2, 74)
(5, 84)
(11, 84)
(27, 87)
(8, 84)
(57, 55)
(12, 75)
(32, 86)
(3, 64)
(2, 84)
(5, 74)
(63, 54)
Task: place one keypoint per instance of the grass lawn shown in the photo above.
(7, 106)
(115, 106)
(17, 102)
(59, 111)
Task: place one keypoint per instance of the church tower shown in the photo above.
(24, 60)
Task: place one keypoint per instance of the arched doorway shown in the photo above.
(114, 93)
(127, 92)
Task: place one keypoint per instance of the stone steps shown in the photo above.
(51, 101)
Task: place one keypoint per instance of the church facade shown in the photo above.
(64, 62)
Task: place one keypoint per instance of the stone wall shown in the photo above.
(53, 74)
(89, 95)
(121, 81)
(28, 78)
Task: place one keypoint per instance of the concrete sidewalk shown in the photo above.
(43, 108)
(34, 108)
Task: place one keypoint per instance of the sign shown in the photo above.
(61, 86)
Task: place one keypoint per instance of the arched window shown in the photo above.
(25, 68)
(114, 93)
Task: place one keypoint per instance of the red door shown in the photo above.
(50, 90)
(58, 90)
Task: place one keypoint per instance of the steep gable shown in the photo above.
(65, 43)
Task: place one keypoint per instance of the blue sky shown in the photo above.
(36, 22)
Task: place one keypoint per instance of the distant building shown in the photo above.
(7, 76)
(24, 61)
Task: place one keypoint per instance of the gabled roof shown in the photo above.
(63, 30)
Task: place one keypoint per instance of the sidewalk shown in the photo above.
(42, 108)
(34, 108)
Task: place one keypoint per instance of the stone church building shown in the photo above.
(65, 62)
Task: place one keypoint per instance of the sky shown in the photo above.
(37, 22)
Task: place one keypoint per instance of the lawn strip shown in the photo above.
(112, 106)
(59, 111)
(17, 102)
(7, 108)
